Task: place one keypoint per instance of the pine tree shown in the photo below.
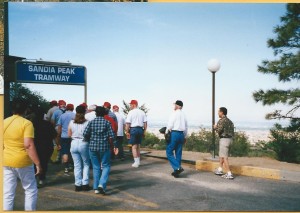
(286, 48)
(285, 141)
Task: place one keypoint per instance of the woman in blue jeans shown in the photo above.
(80, 150)
(100, 135)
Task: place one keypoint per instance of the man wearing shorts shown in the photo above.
(136, 126)
(225, 129)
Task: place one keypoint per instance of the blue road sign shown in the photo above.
(36, 72)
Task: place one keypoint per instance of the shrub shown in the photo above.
(150, 140)
(240, 146)
(200, 141)
(286, 142)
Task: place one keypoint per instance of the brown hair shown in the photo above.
(79, 118)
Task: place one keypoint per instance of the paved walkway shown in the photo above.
(247, 166)
(152, 188)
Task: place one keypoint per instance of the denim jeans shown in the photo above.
(27, 177)
(176, 143)
(100, 176)
(80, 153)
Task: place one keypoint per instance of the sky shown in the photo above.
(156, 53)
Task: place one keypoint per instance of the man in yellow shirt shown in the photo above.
(19, 154)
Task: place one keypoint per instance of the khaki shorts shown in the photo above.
(224, 147)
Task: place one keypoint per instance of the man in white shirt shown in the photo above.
(120, 133)
(178, 127)
(136, 122)
(91, 114)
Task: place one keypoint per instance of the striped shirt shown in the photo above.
(77, 130)
(97, 133)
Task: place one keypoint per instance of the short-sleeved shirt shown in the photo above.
(121, 122)
(225, 128)
(50, 112)
(136, 118)
(64, 121)
(112, 122)
(56, 115)
(14, 153)
(97, 133)
(77, 129)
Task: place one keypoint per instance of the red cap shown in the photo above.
(84, 105)
(134, 102)
(61, 102)
(106, 104)
(70, 107)
(115, 107)
(54, 102)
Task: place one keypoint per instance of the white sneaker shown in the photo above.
(97, 191)
(135, 165)
(228, 176)
(217, 172)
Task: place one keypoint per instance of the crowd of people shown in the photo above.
(89, 137)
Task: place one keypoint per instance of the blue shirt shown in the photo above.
(56, 115)
(97, 133)
(64, 121)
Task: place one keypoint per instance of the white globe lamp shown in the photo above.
(213, 65)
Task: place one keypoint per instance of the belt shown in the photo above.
(77, 138)
(225, 137)
(177, 131)
(137, 127)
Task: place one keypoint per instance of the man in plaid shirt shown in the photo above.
(100, 136)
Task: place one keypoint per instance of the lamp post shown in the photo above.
(213, 66)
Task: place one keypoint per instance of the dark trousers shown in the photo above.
(120, 146)
(44, 156)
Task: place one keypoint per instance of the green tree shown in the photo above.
(126, 108)
(32, 97)
(286, 47)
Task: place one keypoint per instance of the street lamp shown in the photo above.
(213, 66)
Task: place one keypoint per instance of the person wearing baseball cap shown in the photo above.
(65, 140)
(53, 107)
(57, 113)
(136, 126)
(84, 105)
(120, 133)
(178, 127)
(54, 120)
(107, 105)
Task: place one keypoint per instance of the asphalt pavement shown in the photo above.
(152, 188)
